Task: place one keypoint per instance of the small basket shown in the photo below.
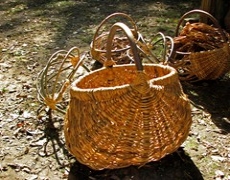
(121, 47)
(201, 51)
(122, 115)
(56, 76)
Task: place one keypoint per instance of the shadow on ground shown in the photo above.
(214, 98)
(176, 166)
(80, 16)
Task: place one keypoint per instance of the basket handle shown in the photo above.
(131, 39)
(165, 40)
(199, 11)
(110, 17)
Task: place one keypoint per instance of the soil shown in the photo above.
(32, 144)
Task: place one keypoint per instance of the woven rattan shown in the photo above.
(56, 76)
(122, 115)
(121, 48)
(161, 48)
(194, 64)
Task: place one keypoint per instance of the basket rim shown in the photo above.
(172, 73)
(225, 44)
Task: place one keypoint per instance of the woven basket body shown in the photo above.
(209, 63)
(123, 115)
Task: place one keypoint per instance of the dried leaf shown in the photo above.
(38, 143)
(218, 158)
(219, 173)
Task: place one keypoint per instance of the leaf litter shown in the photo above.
(32, 146)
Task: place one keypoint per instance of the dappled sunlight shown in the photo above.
(32, 143)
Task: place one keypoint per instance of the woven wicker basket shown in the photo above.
(120, 51)
(55, 77)
(126, 115)
(209, 64)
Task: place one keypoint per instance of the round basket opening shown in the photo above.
(122, 75)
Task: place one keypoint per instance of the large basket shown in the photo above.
(121, 47)
(126, 115)
(201, 50)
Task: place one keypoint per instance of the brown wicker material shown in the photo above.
(161, 48)
(124, 115)
(121, 47)
(157, 50)
(199, 58)
(56, 76)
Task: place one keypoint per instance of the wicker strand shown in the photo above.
(52, 84)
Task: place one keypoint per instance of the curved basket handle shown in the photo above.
(165, 40)
(199, 11)
(135, 32)
(131, 39)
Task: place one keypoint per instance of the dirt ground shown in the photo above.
(32, 146)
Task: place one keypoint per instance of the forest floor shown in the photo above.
(32, 145)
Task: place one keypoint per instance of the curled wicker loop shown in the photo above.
(158, 50)
(128, 114)
(57, 75)
(201, 51)
(120, 45)
(168, 47)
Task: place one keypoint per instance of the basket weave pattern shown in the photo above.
(205, 53)
(219, 58)
(123, 115)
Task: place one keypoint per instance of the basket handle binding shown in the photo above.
(199, 11)
(130, 37)
(111, 16)
(54, 96)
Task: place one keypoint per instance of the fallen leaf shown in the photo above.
(219, 173)
(38, 143)
(5, 65)
(20, 124)
(218, 158)
(14, 116)
(27, 114)
(33, 177)
(3, 168)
